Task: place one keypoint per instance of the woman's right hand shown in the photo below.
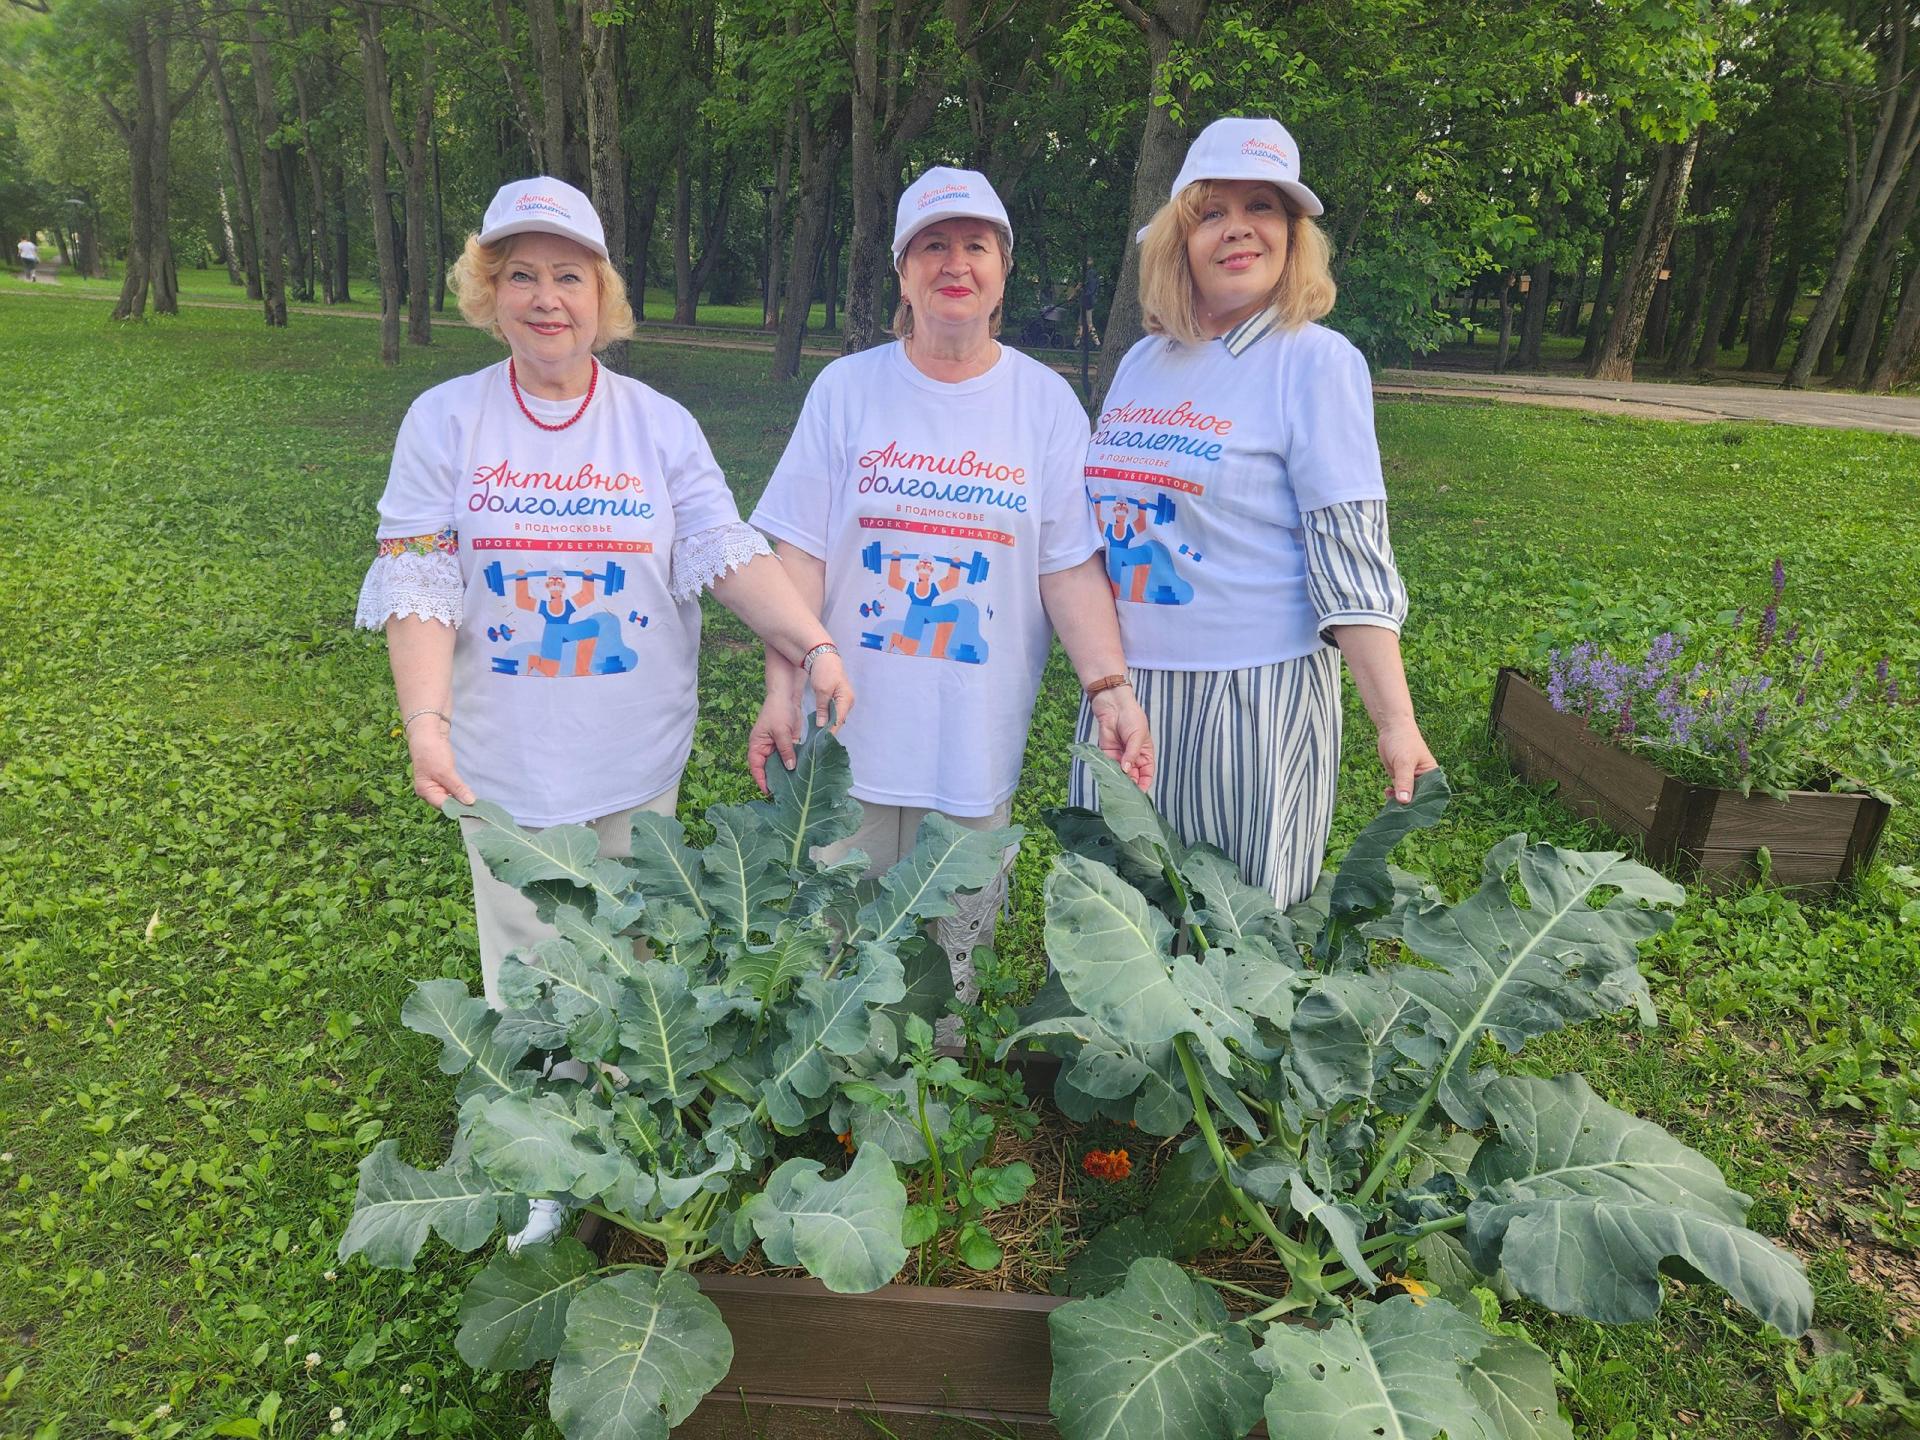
(436, 777)
(778, 729)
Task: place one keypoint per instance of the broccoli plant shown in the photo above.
(716, 1000)
(1337, 1096)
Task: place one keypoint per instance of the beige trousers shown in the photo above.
(887, 834)
(506, 919)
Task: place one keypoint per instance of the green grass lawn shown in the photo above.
(216, 887)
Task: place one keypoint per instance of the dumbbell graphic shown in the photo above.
(612, 580)
(1161, 507)
(976, 567)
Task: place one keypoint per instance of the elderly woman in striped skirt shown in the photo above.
(1236, 481)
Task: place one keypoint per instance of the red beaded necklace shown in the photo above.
(513, 384)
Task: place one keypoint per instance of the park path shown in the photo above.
(1844, 410)
(1894, 415)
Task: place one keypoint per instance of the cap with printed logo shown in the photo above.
(543, 205)
(1248, 147)
(944, 193)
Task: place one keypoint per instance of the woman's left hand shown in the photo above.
(1123, 733)
(1404, 753)
(831, 687)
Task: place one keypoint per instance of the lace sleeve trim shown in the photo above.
(411, 582)
(707, 556)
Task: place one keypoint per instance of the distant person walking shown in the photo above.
(29, 256)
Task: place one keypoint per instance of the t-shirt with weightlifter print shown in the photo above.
(937, 507)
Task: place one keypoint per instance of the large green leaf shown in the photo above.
(395, 1206)
(744, 882)
(642, 1350)
(829, 1018)
(1513, 1381)
(555, 972)
(1516, 971)
(544, 1145)
(1085, 833)
(514, 1314)
(661, 1026)
(795, 952)
(666, 869)
(1232, 910)
(472, 1045)
(1580, 1204)
(1102, 1264)
(1156, 1359)
(1364, 885)
(597, 939)
(1126, 810)
(846, 1232)
(1396, 1369)
(945, 857)
(569, 853)
(1189, 1209)
(812, 805)
(1113, 953)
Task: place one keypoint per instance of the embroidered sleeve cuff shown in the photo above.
(1351, 575)
(707, 556)
(413, 575)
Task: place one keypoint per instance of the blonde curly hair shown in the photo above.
(476, 274)
(1305, 291)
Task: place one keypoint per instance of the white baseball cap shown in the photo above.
(1245, 147)
(944, 193)
(544, 205)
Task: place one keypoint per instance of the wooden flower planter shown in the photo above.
(938, 1364)
(1817, 839)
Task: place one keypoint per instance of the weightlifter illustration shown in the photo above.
(572, 641)
(938, 624)
(1140, 569)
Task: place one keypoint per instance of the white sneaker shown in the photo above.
(545, 1219)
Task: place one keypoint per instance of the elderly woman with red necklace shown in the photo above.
(1246, 431)
(957, 456)
(545, 484)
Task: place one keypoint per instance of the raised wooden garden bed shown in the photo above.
(1818, 839)
(937, 1363)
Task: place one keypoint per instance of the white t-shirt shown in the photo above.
(573, 693)
(982, 480)
(1201, 464)
(29, 250)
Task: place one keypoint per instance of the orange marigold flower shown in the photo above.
(845, 1137)
(1108, 1165)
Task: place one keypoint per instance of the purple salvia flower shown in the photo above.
(1779, 579)
(1791, 634)
(1769, 622)
(1759, 719)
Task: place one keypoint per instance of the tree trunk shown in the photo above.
(608, 159)
(820, 147)
(510, 50)
(1725, 283)
(864, 178)
(287, 171)
(1506, 325)
(89, 238)
(342, 289)
(148, 134)
(242, 225)
(1570, 313)
(1533, 320)
(439, 234)
(1870, 188)
(378, 96)
(1669, 192)
(776, 229)
(229, 243)
(1758, 315)
(416, 163)
(1654, 335)
(551, 132)
(1902, 353)
(686, 305)
(316, 184)
(1780, 317)
(641, 216)
(1609, 257)
(1163, 143)
(273, 257)
(1864, 333)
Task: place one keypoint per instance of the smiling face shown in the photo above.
(953, 274)
(923, 571)
(548, 300)
(1238, 249)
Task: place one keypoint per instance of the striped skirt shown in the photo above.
(1247, 760)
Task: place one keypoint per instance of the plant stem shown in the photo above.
(1303, 1267)
(933, 1152)
(1236, 1289)
(1432, 1227)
